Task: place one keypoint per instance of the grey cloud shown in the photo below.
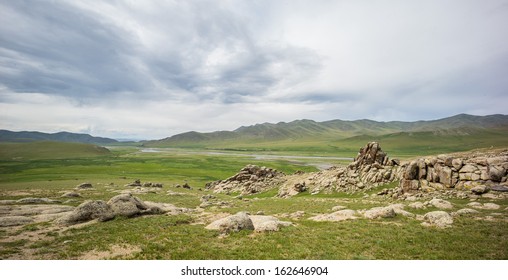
(74, 53)
(322, 60)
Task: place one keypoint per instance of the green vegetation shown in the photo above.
(50, 169)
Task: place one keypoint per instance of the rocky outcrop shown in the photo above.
(87, 211)
(372, 154)
(251, 179)
(125, 205)
(477, 172)
(370, 168)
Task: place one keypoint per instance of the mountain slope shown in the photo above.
(305, 133)
(31, 136)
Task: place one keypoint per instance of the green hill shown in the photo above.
(457, 133)
(30, 136)
(49, 150)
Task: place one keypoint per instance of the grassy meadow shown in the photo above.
(50, 174)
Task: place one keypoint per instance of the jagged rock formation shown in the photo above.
(371, 168)
(251, 179)
(477, 172)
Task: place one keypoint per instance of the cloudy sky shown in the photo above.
(152, 69)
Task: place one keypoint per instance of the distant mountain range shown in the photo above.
(302, 130)
(32, 136)
(457, 133)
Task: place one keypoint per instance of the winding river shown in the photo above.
(320, 162)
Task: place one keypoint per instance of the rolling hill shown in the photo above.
(457, 133)
(49, 150)
(31, 136)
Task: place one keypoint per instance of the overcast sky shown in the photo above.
(152, 69)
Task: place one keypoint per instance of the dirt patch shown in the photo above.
(114, 251)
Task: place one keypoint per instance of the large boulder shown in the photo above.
(233, 223)
(439, 219)
(440, 203)
(379, 212)
(267, 223)
(127, 205)
(87, 211)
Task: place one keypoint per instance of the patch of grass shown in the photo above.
(10, 248)
(174, 237)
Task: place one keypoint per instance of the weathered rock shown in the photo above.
(457, 163)
(293, 190)
(71, 194)
(36, 200)
(411, 172)
(337, 216)
(370, 154)
(475, 204)
(441, 204)
(445, 175)
(491, 206)
(499, 188)
(439, 219)
(478, 190)
(251, 179)
(267, 223)
(417, 205)
(465, 212)
(136, 183)
(233, 223)
(338, 208)
(410, 185)
(496, 173)
(9, 221)
(127, 205)
(84, 186)
(399, 210)
(163, 208)
(87, 211)
(379, 212)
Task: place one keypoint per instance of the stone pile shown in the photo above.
(478, 173)
(251, 179)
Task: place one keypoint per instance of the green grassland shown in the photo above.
(32, 171)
